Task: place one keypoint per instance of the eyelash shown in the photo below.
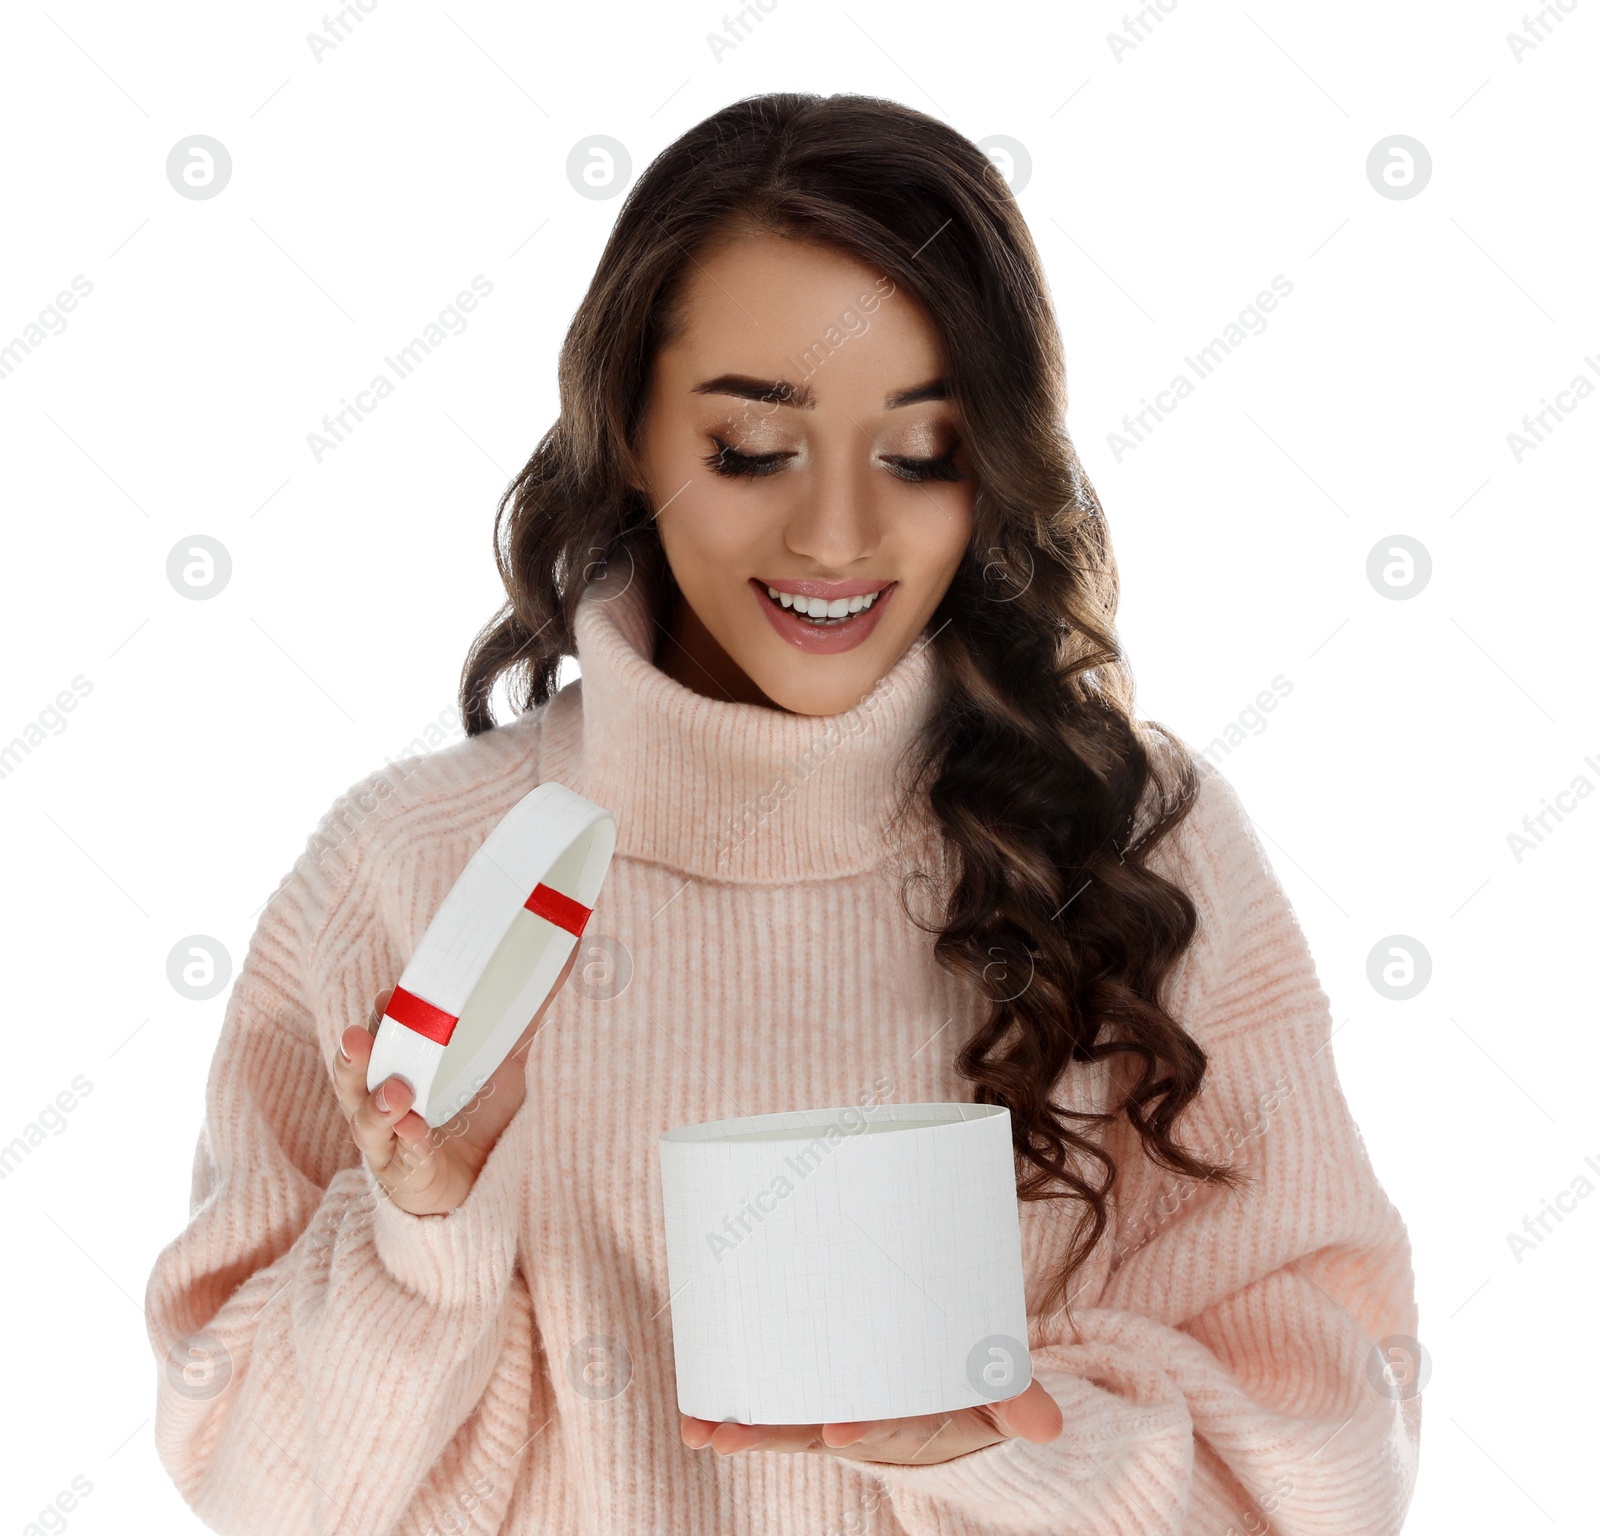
(727, 461)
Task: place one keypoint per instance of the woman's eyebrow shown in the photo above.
(782, 392)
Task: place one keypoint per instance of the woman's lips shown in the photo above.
(822, 639)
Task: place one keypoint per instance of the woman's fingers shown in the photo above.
(728, 1438)
(355, 1049)
(350, 1068)
(837, 1436)
(695, 1433)
(393, 1140)
(1032, 1415)
(375, 1119)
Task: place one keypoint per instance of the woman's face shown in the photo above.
(795, 438)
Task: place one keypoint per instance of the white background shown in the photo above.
(1168, 186)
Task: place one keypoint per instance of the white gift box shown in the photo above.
(836, 1265)
(493, 950)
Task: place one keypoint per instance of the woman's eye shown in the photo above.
(943, 468)
(728, 461)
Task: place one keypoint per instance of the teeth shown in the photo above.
(820, 607)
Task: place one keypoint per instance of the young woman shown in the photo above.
(843, 604)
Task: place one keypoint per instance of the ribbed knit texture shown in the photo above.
(508, 1367)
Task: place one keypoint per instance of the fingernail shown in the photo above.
(343, 1052)
(381, 1101)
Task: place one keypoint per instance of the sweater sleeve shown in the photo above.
(326, 1360)
(1229, 1377)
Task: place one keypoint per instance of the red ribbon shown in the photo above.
(435, 1024)
(418, 1014)
(563, 911)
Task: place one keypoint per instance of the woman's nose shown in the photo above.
(835, 520)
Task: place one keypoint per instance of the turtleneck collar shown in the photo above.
(726, 791)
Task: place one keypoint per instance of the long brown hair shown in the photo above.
(1033, 765)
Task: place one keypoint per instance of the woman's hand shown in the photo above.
(1031, 1415)
(428, 1170)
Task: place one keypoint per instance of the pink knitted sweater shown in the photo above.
(328, 1362)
